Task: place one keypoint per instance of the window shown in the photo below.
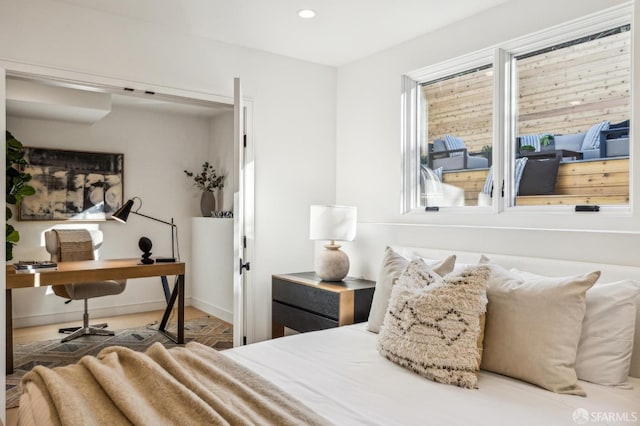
(458, 122)
(553, 109)
(572, 124)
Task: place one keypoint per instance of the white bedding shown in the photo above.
(339, 374)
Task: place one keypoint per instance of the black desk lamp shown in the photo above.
(122, 214)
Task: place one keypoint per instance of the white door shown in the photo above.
(241, 265)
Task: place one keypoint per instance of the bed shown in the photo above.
(340, 375)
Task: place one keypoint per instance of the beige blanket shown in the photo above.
(191, 385)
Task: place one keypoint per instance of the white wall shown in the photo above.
(369, 153)
(293, 110)
(157, 147)
(212, 266)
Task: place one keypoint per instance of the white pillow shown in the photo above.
(604, 351)
(606, 342)
(533, 327)
(392, 266)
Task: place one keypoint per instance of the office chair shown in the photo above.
(73, 245)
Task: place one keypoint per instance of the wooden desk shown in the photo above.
(98, 270)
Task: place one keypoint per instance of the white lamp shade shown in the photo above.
(336, 223)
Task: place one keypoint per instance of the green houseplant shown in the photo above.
(17, 187)
(207, 181)
(546, 140)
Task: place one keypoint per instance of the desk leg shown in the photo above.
(165, 287)
(180, 283)
(9, 332)
(178, 293)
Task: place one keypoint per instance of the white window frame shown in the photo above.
(502, 56)
(413, 115)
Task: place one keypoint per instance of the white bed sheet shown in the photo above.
(339, 374)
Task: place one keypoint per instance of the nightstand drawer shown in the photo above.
(303, 302)
(307, 298)
(298, 319)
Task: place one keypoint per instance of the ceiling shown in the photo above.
(341, 32)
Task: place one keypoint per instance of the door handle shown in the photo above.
(246, 266)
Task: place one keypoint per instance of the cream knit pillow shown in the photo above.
(392, 266)
(432, 325)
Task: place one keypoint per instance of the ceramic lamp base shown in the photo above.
(332, 264)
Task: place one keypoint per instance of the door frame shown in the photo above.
(3, 280)
(71, 79)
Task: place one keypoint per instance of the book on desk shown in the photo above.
(33, 266)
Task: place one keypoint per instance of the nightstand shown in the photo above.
(303, 302)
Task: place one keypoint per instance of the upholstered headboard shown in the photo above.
(551, 267)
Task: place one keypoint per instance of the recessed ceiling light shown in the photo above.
(306, 13)
(574, 103)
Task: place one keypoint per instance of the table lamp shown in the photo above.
(333, 223)
(122, 214)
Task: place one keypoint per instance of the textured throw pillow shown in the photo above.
(539, 177)
(432, 326)
(533, 328)
(592, 138)
(392, 266)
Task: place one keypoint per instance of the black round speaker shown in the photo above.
(145, 244)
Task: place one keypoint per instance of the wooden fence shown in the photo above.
(559, 92)
(603, 181)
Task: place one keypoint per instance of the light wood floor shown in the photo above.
(50, 331)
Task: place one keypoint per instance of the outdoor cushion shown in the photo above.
(476, 162)
(438, 145)
(592, 138)
(519, 170)
(572, 141)
(452, 142)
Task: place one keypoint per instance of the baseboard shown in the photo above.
(111, 311)
(214, 310)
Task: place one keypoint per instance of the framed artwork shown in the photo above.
(72, 185)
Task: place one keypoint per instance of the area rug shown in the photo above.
(208, 330)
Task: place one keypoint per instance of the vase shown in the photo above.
(207, 203)
(550, 147)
